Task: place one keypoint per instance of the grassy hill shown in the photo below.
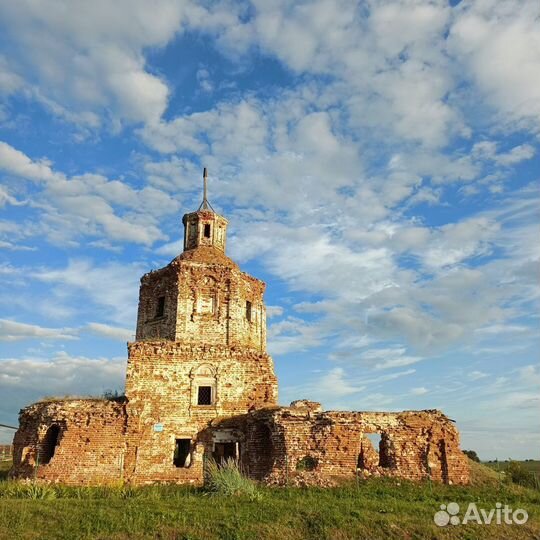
(375, 508)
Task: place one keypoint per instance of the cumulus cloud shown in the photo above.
(328, 388)
(476, 374)
(90, 204)
(388, 358)
(499, 44)
(112, 287)
(9, 81)
(89, 57)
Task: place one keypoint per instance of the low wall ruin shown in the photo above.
(75, 441)
(280, 442)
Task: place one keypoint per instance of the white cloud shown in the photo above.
(6, 198)
(516, 155)
(530, 374)
(419, 391)
(476, 374)
(388, 358)
(112, 332)
(9, 81)
(488, 150)
(204, 80)
(25, 380)
(17, 163)
(16, 331)
(453, 243)
(274, 311)
(172, 249)
(499, 44)
(292, 335)
(327, 388)
(90, 204)
(111, 287)
(89, 56)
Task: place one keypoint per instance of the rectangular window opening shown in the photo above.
(204, 396)
(182, 456)
(160, 309)
(207, 230)
(248, 310)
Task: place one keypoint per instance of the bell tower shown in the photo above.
(204, 227)
(202, 297)
(199, 353)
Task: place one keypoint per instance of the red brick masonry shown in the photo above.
(200, 385)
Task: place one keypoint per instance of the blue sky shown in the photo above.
(378, 163)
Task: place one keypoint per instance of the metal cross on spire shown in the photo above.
(205, 205)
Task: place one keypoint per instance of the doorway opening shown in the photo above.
(182, 456)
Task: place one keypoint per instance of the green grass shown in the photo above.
(375, 508)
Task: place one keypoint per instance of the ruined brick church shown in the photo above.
(200, 385)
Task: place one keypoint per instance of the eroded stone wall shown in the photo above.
(73, 441)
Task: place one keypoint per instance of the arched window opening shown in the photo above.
(207, 230)
(49, 444)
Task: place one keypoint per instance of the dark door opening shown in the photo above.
(223, 452)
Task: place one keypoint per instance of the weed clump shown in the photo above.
(228, 479)
(18, 490)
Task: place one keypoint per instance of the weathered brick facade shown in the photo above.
(200, 385)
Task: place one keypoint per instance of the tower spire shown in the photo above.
(205, 205)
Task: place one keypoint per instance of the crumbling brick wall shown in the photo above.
(413, 444)
(87, 443)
